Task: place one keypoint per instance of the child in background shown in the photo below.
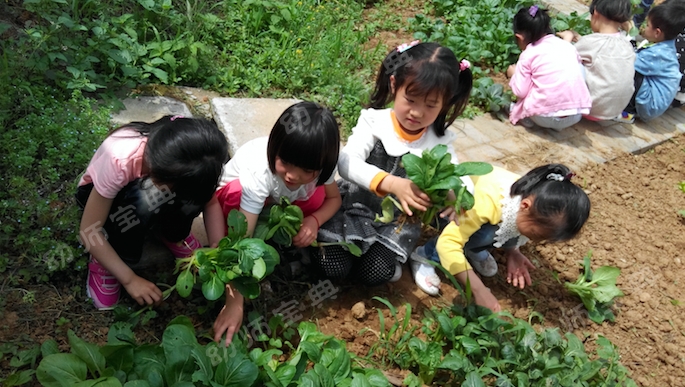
(657, 71)
(145, 178)
(680, 52)
(542, 205)
(608, 58)
(296, 161)
(548, 77)
(429, 88)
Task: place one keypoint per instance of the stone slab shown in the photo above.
(244, 119)
(149, 109)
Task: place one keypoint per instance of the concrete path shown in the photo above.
(485, 138)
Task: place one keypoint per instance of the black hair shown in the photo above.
(669, 17)
(560, 207)
(532, 27)
(614, 10)
(306, 135)
(186, 153)
(423, 69)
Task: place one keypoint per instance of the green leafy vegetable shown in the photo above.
(283, 223)
(435, 175)
(597, 290)
(239, 260)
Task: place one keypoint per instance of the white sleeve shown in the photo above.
(352, 163)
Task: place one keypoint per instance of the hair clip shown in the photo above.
(464, 64)
(569, 176)
(555, 176)
(405, 46)
(175, 117)
(533, 10)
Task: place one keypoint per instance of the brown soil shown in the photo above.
(634, 225)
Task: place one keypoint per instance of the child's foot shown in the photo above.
(424, 273)
(626, 118)
(487, 299)
(398, 273)
(102, 286)
(183, 248)
(482, 262)
(425, 278)
(527, 122)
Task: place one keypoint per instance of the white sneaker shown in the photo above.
(486, 267)
(425, 277)
(398, 273)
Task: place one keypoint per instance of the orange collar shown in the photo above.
(400, 132)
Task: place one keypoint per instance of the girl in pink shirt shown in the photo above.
(548, 78)
(145, 178)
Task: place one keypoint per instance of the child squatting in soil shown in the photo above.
(430, 88)
(608, 58)
(543, 205)
(297, 161)
(657, 71)
(145, 178)
(548, 77)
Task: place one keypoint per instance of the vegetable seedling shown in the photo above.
(597, 290)
(284, 221)
(435, 175)
(239, 260)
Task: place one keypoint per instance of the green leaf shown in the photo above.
(120, 332)
(259, 269)
(49, 347)
(137, 383)
(213, 289)
(236, 371)
(472, 168)
(61, 370)
(184, 283)
(237, 225)
(473, 380)
(19, 378)
(149, 360)
(87, 352)
(416, 169)
(119, 356)
(247, 286)
(388, 210)
(605, 279)
(470, 345)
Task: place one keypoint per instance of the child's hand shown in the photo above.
(143, 291)
(511, 70)
(449, 212)
(517, 268)
(230, 318)
(569, 35)
(308, 232)
(484, 297)
(408, 194)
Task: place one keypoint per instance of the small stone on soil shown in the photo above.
(359, 310)
(644, 297)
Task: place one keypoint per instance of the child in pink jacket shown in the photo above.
(548, 78)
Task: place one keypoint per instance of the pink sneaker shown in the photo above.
(183, 248)
(102, 286)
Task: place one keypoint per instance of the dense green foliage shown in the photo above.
(181, 360)
(306, 49)
(469, 346)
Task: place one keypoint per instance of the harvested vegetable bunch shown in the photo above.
(284, 222)
(239, 260)
(597, 290)
(435, 175)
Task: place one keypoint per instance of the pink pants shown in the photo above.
(229, 198)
